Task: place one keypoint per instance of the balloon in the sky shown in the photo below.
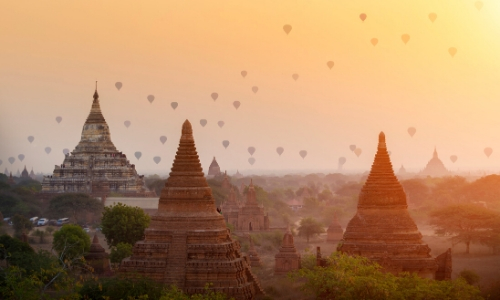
(236, 104)
(479, 5)
(405, 38)
(21, 157)
(287, 28)
(58, 119)
(174, 105)
(374, 41)
(220, 123)
(65, 151)
(118, 85)
(225, 143)
(255, 89)
(280, 150)
(151, 98)
(203, 122)
(214, 96)
(251, 160)
(488, 151)
(362, 17)
(295, 76)
(12, 160)
(411, 131)
(330, 64)
(357, 151)
(303, 153)
(163, 139)
(453, 158)
(244, 74)
(127, 123)
(1, 162)
(452, 51)
(251, 150)
(157, 159)
(31, 139)
(352, 147)
(48, 149)
(342, 160)
(138, 154)
(432, 17)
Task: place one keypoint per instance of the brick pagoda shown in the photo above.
(288, 259)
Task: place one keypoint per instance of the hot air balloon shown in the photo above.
(214, 96)
(374, 41)
(453, 158)
(488, 151)
(287, 28)
(251, 150)
(342, 160)
(236, 104)
(330, 64)
(280, 150)
(251, 160)
(362, 17)
(412, 131)
(220, 123)
(452, 51)
(65, 151)
(163, 139)
(21, 157)
(303, 153)
(295, 76)
(203, 122)
(225, 143)
(31, 139)
(157, 159)
(352, 147)
(1, 162)
(357, 151)
(151, 98)
(244, 73)
(127, 123)
(11, 160)
(478, 5)
(174, 105)
(58, 119)
(48, 149)
(118, 85)
(432, 17)
(405, 38)
(255, 89)
(138, 154)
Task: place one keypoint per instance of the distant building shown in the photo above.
(11, 180)
(238, 175)
(225, 182)
(25, 174)
(32, 174)
(402, 170)
(435, 167)
(295, 204)
(288, 259)
(214, 169)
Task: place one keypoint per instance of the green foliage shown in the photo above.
(119, 252)
(14, 250)
(157, 186)
(309, 227)
(470, 276)
(348, 277)
(21, 224)
(71, 241)
(74, 205)
(123, 224)
(29, 185)
(19, 201)
(416, 190)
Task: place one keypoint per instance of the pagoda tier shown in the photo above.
(187, 243)
(382, 228)
(95, 166)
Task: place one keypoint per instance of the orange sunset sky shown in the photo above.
(52, 52)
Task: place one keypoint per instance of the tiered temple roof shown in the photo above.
(187, 243)
(288, 259)
(225, 182)
(25, 174)
(214, 169)
(435, 167)
(97, 257)
(253, 255)
(382, 228)
(95, 166)
(334, 232)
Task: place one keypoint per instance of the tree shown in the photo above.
(21, 224)
(123, 224)
(71, 241)
(417, 191)
(465, 223)
(470, 276)
(119, 252)
(74, 205)
(309, 227)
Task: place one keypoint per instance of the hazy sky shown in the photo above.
(52, 52)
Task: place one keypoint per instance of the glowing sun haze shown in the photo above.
(183, 51)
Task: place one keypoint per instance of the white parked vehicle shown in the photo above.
(43, 222)
(34, 220)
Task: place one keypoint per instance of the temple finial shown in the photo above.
(381, 140)
(96, 95)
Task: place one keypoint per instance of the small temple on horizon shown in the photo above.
(435, 167)
(95, 166)
(213, 169)
(334, 233)
(287, 259)
(187, 243)
(383, 230)
(25, 174)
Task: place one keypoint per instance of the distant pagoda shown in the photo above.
(435, 167)
(335, 231)
(187, 243)
(288, 259)
(32, 174)
(25, 174)
(95, 166)
(253, 256)
(214, 169)
(383, 230)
